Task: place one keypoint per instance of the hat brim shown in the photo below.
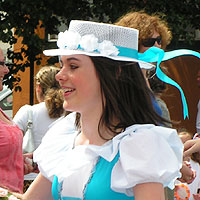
(62, 52)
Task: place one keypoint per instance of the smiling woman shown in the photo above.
(73, 77)
(115, 152)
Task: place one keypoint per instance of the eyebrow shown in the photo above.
(68, 59)
(72, 58)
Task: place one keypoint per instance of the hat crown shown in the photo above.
(118, 35)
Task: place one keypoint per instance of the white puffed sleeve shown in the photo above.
(51, 154)
(147, 154)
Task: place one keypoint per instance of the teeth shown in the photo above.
(68, 90)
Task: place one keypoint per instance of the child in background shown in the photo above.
(194, 161)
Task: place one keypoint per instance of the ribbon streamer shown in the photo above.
(158, 55)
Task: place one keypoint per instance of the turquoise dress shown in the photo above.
(140, 154)
(100, 178)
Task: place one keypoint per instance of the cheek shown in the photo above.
(143, 49)
(1, 71)
(89, 88)
(82, 85)
(157, 45)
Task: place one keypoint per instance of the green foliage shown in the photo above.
(23, 17)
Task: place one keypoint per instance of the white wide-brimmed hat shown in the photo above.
(99, 39)
(117, 43)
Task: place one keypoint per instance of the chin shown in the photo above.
(67, 107)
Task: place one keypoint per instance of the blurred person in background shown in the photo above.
(11, 157)
(46, 112)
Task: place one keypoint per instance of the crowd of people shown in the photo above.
(101, 129)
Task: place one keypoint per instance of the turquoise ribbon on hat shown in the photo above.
(127, 52)
(158, 55)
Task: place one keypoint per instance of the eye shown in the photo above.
(2, 63)
(73, 66)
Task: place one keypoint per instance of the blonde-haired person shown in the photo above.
(48, 90)
(47, 111)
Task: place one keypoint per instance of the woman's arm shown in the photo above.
(191, 146)
(150, 191)
(40, 189)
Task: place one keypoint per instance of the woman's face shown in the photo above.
(3, 69)
(80, 83)
(143, 48)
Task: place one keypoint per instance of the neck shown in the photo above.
(89, 129)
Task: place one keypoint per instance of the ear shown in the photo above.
(38, 88)
(38, 91)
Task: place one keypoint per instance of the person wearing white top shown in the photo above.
(41, 120)
(118, 151)
(47, 111)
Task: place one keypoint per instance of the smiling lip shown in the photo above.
(68, 91)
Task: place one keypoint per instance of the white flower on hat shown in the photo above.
(89, 43)
(107, 48)
(68, 40)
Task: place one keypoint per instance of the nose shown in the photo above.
(58, 76)
(157, 45)
(61, 75)
(5, 68)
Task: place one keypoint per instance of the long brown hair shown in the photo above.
(125, 95)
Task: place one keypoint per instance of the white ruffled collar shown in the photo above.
(109, 150)
(56, 155)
